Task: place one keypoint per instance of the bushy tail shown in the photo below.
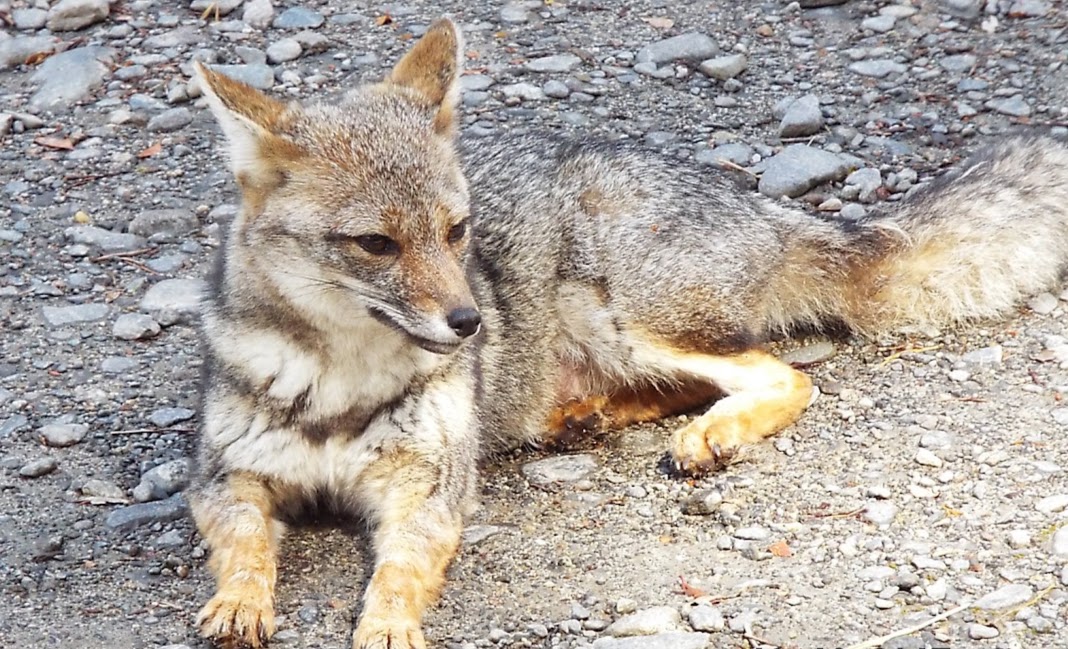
(971, 245)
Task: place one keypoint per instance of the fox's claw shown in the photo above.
(384, 634)
(237, 617)
(719, 458)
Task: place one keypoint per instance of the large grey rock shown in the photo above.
(802, 117)
(1014, 106)
(170, 120)
(68, 77)
(69, 15)
(62, 316)
(693, 46)
(164, 417)
(287, 49)
(134, 516)
(173, 222)
(559, 469)
(15, 51)
(799, 168)
(174, 300)
(106, 240)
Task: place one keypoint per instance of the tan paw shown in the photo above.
(378, 633)
(706, 445)
(238, 616)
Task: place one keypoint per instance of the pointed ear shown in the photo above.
(432, 69)
(253, 124)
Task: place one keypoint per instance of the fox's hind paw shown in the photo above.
(381, 634)
(237, 617)
(704, 447)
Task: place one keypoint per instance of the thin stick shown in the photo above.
(723, 162)
(120, 255)
(138, 431)
(881, 640)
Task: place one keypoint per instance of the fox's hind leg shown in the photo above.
(763, 396)
(234, 516)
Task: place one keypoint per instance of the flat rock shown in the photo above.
(257, 75)
(706, 618)
(799, 168)
(987, 356)
(677, 640)
(877, 68)
(96, 488)
(63, 435)
(15, 51)
(559, 469)
(135, 326)
(523, 91)
(1014, 106)
(68, 77)
(802, 117)
(105, 240)
(879, 24)
(475, 534)
(555, 63)
(650, 621)
(164, 417)
(69, 15)
(735, 152)
(1029, 8)
(1052, 504)
(693, 46)
(722, 68)
(298, 18)
(170, 120)
(39, 467)
(880, 512)
(134, 516)
(173, 222)
(1005, 597)
(62, 316)
(174, 300)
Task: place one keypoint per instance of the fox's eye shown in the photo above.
(377, 244)
(457, 232)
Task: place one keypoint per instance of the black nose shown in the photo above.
(464, 322)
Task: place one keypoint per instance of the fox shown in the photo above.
(395, 302)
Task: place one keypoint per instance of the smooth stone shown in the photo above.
(722, 68)
(677, 640)
(799, 168)
(134, 516)
(165, 417)
(555, 63)
(173, 222)
(1052, 504)
(170, 120)
(15, 51)
(61, 316)
(659, 619)
(1005, 597)
(105, 240)
(877, 68)
(39, 467)
(693, 46)
(222, 7)
(63, 435)
(174, 300)
(298, 18)
(1014, 106)
(287, 49)
(881, 513)
(164, 480)
(706, 618)
(135, 326)
(71, 15)
(802, 117)
(560, 469)
(29, 19)
(258, 13)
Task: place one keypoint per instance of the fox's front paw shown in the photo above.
(238, 616)
(379, 633)
(706, 445)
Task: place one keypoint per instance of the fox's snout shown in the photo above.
(464, 321)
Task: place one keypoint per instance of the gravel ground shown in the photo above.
(928, 475)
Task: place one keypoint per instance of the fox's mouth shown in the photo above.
(434, 346)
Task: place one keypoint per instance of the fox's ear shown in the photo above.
(432, 68)
(253, 125)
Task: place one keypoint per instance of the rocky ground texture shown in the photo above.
(929, 475)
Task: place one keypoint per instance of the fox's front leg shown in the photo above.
(234, 516)
(417, 534)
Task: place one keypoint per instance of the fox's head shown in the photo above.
(359, 208)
